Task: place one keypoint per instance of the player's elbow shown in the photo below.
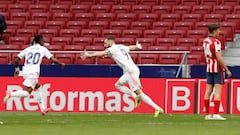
(53, 60)
(220, 59)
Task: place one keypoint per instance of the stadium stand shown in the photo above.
(7, 1)
(33, 24)
(79, 8)
(83, 24)
(161, 9)
(59, 8)
(54, 24)
(147, 59)
(4, 58)
(98, 24)
(119, 25)
(12, 24)
(158, 48)
(66, 58)
(100, 8)
(17, 7)
(181, 9)
(168, 59)
(201, 9)
(126, 41)
(153, 33)
(98, 41)
(26, 32)
(141, 8)
(87, 2)
(111, 33)
(105, 60)
(37, 8)
(83, 41)
(107, 17)
(108, 2)
(55, 47)
(76, 24)
(121, 8)
(73, 48)
(46, 16)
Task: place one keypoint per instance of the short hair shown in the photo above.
(212, 27)
(110, 38)
(37, 39)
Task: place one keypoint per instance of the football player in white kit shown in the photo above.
(33, 57)
(120, 54)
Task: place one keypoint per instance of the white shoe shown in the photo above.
(46, 110)
(218, 117)
(8, 95)
(208, 117)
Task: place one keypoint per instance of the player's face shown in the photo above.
(106, 43)
(217, 32)
(42, 41)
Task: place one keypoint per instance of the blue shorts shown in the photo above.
(215, 78)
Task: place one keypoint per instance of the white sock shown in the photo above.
(149, 101)
(40, 99)
(19, 93)
(126, 90)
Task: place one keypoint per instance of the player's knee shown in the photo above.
(138, 92)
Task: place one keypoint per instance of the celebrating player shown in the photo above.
(33, 57)
(120, 54)
(215, 71)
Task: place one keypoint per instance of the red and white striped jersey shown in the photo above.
(212, 45)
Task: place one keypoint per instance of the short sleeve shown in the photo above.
(108, 51)
(22, 54)
(47, 53)
(126, 48)
(217, 45)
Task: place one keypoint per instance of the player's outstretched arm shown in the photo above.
(135, 47)
(86, 54)
(54, 60)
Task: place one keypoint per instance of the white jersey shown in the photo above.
(120, 54)
(33, 57)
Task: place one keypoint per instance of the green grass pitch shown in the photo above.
(31, 123)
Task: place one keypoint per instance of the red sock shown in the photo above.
(206, 103)
(216, 106)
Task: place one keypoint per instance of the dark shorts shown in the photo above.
(215, 78)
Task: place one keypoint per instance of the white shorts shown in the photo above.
(30, 80)
(132, 79)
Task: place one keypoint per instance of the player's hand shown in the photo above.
(229, 74)
(84, 55)
(62, 65)
(139, 46)
(16, 72)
